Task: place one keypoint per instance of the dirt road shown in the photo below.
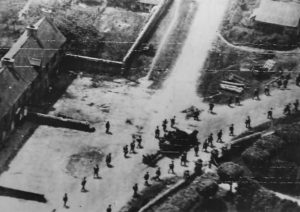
(43, 165)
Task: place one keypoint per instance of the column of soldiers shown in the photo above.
(208, 142)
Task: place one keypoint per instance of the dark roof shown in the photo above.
(27, 52)
(278, 13)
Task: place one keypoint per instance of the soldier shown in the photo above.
(296, 105)
(108, 160)
(298, 80)
(270, 114)
(267, 90)
(182, 160)
(237, 100)
(196, 149)
(279, 83)
(173, 121)
(139, 141)
(248, 122)
(135, 190)
(285, 83)
(287, 110)
(220, 135)
(164, 126)
(146, 178)
(211, 107)
(107, 126)
(198, 167)
(125, 150)
(213, 158)
(256, 94)
(96, 171)
(205, 145)
(65, 200)
(231, 130)
(109, 208)
(157, 132)
(171, 167)
(210, 140)
(196, 115)
(230, 100)
(132, 146)
(165, 122)
(83, 183)
(158, 173)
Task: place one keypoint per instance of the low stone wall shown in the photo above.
(98, 65)
(146, 32)
(91, 65)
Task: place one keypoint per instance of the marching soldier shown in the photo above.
(231, 130)
(220, 135)
(65, 200)
(135, 190)
(139, 141)
(196, 149)
(173, 121)
(270, 114)
(164, 126)
(248, 122)
(109, 209)
(256, 94)
(146, 178)
(287, 110)
(96, 171)
(132, 146)
(205, 145)
(83, 183)
(157, 132)
(125, 150)
(211, 107)
(107, 126)
(267, 90)
(210, 140)
(171, 167)
(165, 122)
(108, 160)
(158, 173)
(196, 115)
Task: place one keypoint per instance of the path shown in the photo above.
(256, 50)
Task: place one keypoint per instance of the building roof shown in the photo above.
(153, 2)
(28, 52)
(278, 13)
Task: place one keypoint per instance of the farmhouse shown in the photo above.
(26, 72)
(279, 14)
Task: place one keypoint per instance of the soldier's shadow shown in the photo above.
(110, 166)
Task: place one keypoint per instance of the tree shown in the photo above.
(230, 172)
(207, 188)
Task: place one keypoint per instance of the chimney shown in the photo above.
(31, 30)
(8, 62)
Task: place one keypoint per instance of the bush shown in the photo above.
(271, 144)
(256, 158)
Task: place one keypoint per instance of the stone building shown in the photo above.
(26, 72)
